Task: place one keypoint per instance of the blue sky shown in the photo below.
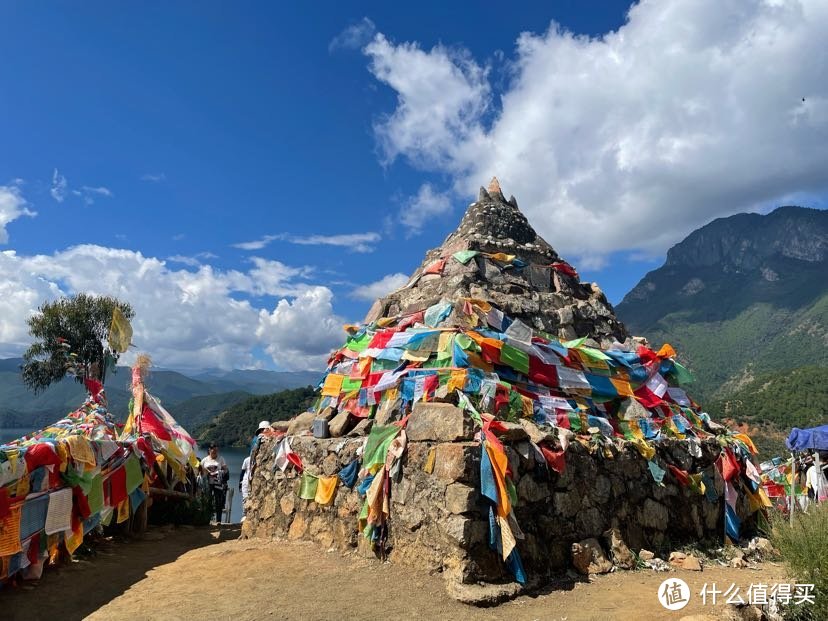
(177, 131)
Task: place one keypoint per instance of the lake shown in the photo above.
(233, 456)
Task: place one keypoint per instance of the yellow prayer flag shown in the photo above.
(333, 385)
(666, 351)
(120, 332)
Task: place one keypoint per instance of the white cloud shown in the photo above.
(88, 194)
(154, 177)
(355, 242)
(692, 110)
(424, 207)
(256, 244)
(380, 288)
(441, 96)
(192, 260)
(301, 334)
(354, 36)
(59, 186)
(191, 318)
(12, 206)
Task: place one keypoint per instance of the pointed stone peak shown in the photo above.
(510, 266)
(494, 224)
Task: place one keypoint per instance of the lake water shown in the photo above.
(233, 456)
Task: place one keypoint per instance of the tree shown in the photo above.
(70, 333)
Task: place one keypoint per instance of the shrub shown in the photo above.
(804, 548)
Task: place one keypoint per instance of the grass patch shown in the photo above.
(804, 549)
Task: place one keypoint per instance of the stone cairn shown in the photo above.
(492, 420)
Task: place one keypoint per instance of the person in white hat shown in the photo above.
(246, 470)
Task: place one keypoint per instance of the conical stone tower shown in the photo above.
(495, 255)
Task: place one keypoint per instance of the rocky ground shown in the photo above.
(208, 574)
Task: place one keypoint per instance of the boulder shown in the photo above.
(438, 422)
(588, 557)
(300, 423)
(340, 424)
(619, 552)
(362, 428)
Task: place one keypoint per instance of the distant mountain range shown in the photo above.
(193, 400)
(744, 299)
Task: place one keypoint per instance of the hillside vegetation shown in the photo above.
(744, 300)
(235, 426)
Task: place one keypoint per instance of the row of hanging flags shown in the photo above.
(59, 483)
(501, 369)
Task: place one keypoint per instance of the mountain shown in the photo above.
(200, 397)
(235, 426)
(742, 298)
(258, 381)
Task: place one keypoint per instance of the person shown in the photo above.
(217, 475)
(816, 483)
(247, 470)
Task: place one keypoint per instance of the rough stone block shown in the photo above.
(340, 424)
(454, 461)
(619, 552)
(438, 422)
(654, 515)
(461, 498)
(301, 423)
(588, 557)
(362, 428)
(530, 490)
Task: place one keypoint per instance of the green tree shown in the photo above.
(75, 326)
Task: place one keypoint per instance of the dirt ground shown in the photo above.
(206, 574)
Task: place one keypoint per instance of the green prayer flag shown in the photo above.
(308, 485)
(593, 354)
(682, 375)
(360, 342)
(134, 474)
(95, 497)
(464, 256)
(350, 384)
(376, 448)
(515, 358)
(574, 344)
(463, 341)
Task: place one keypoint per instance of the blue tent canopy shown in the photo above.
(814, 438)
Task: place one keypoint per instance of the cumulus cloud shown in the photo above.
(355, 242)
(302, 332)
(380, 288)
(12, 206)
(424, 207)
(59, 186)
(354, 36)
(692, 110)
(187, 318)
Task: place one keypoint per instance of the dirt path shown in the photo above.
(207, 575)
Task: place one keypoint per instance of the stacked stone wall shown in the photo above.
(439, 523)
